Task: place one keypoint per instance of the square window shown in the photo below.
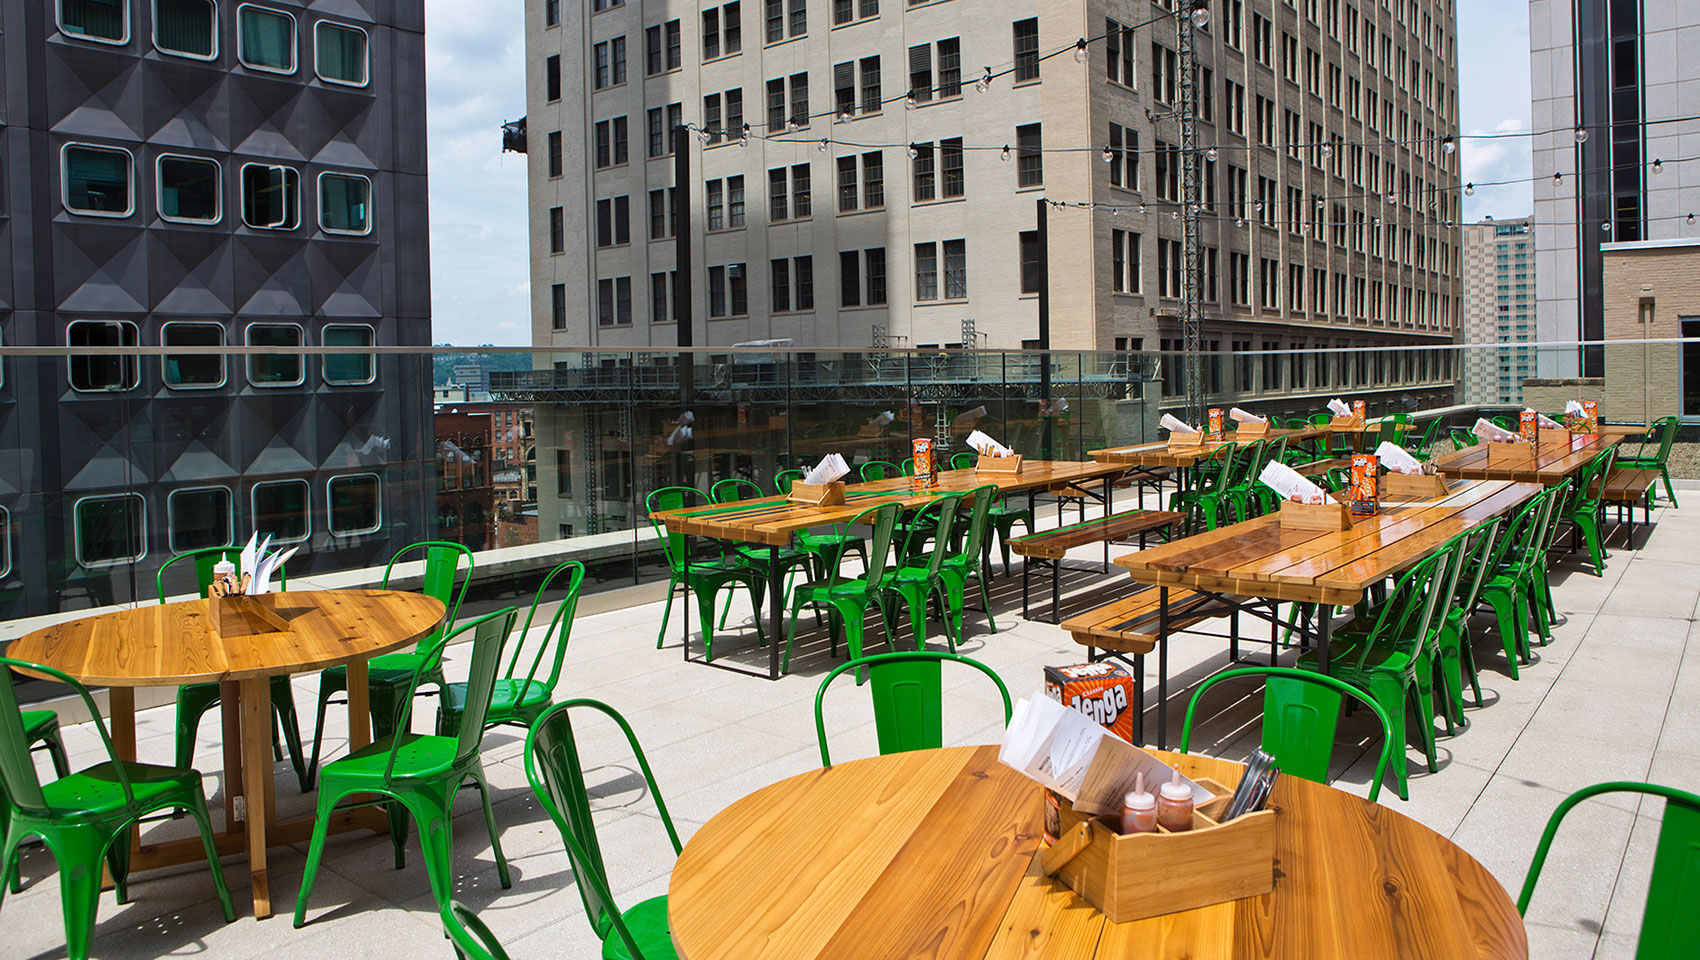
(189, 190)
(340, 53)
(103, 373)
(192, 371)
(275, 369)
(110, 531)
(271, 197)
(187, 28)
(280, 509)
(345, 203)
(97, 180)
(356, 505)
(200, 517)
(105, 21)
(265, 39)
(349, 369)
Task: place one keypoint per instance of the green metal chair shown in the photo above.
(1463, 439)
(706, 578)
(556, 772)
(392, 675)
(1242, 479)
(817, 551)
(1670, 926)
(963, 460)
(1510, 584)
(195, 699)
(85, 818)
(846, 598)
(418, 775)
(1505, 422)
(783, 479)
(1664, 429)
(1300, 712)
(1003, 519)
(878, 470)
(1391, 425)
(1209, 494)
(908, 698)
(965, 562)
(1586, 511)
(1457, 658)
(1545, 609)
(916, 579)
(41, 732)
(518, 700)
(908, 466)
(472, 939)
(1422, 447)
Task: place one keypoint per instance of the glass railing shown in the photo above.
(115, 459)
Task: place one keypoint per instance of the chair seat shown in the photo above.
(420, 758)
(505, 698)
(1343, 659)
(813, 541)
(648, 925)
(838, 586)
(390, 669)
(96, 791)
(39, 723)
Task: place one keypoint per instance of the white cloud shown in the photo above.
(1493, 96)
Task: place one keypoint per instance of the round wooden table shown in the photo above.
(173, 644)
(930, 854)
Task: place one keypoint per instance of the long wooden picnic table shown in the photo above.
(1264, 560)
(1554, 462)
(774, 521)
(1158, 454)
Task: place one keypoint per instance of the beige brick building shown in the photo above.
(1499, 307)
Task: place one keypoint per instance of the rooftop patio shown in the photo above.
(1612, 697)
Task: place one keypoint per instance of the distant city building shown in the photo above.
(1499, 307)
(1611, 81)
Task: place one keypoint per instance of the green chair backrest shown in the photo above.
(489, 633)
(883, 519)
(878, 470)
(672, 498)
(1463, 439)
(1591, 483)
(1321, 419)
(1405, 618)
(1426, 439)
(1213, 481)
(909, 466)
(1665, 430)
(908, 707)
(559, 632)
(1670, 926)
(442, 571)
(472, 939)
(963, 461)
(1561, 496)
(979, 514)
(783, 479)
(937, 517)
(1475, 561)
(732, 490)
(556, 772)
(18, 779)
(1505, 422)
(204, 560)
(1300, 711)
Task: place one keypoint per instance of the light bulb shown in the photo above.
(1691, 219)
(823, 144)
(912, 151)
(844, 116)
(1201, 16)
(1658, 166)
(1605, 226)
(1240, 222)
(1327, 150)
(1004, 156)
(1080, 50)
(1447, 146)
(744, 140)
(1392, 198)
(1142, 209)
(909, 101)
(703, 136)
(1115, 211)
(1210, 154)
(790, 125)
(1378, 221)
(985, 80)
(1109, 155)
(1320, 204)
(1581, 134)
(1558, 178)
(1257, 207)
(1174, 214)
(1469, 189)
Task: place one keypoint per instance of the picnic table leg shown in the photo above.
(1139, 698)
(685, 619)
(1324, 627)
(1025, 569)
(1056, 590)
(1234, 636)
(1162, 668)
(776, 598)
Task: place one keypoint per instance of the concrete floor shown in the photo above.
(1615, 696)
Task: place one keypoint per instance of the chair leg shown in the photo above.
(1670, 491)
(327, 687)
(78, 850)
(315, 851)
(198, 810)
(1505, 618)
(502, 874)
(791, 633)
(56, 752)
(1389, 692)
(283, 703)
(1422, 697)
(430, 805)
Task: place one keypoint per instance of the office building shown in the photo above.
(1499, 308)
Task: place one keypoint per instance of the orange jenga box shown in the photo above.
(1215, 421)
(1528, 428)
(1359, 410)
(1102, 691)
(1591, 415)
(923, 459)
(1364, 493)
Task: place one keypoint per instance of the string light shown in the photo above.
(1448, 146)
(1210, 154)
(1327, 150)
(1080, 50)
(909, 101)
(1558, 178)
(1658, 165)
(791, 125)
(1109, 155)
(1469, 189)
(744, 140)
(1581, 134)
(985, 81)
(824, 143)
(1691, 219)
(844, 116)
(912, 151)
(1005, 155)
(1605, 226)
(1201, 15)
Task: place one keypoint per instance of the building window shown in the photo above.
(345, 204)
(1031, 268)
(5, 542)
(279, 508)
(613, 221)
(728, 293)
(1026, 50)
(200, 517)
(951, 183)
(1124, 157)
(349, 369)
(661, 292)
(1118, 53)
(103, 373)
(661, 47)
(340, 53)
(189, 371)
(271, 197)
(611, 142)
(924, 168)
(552, 77)
(97, 180)
(186, 28)
(105, 21)
(110, 531)
(355, 504)
(661, 219)
(558, 306)
(609, 58)
(265, 39)
(555, 161)
(551, 13)
(955, 270)
(275, 367)
(735, 201)
(793, 284)
(1030, 161)
(926, 271)
(189, 189)
(1126, 261)
(558, 228)
(614, 301)
(661, 121)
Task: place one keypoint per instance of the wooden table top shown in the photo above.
(170, 644)
(1158, 454)
(930, 854)
(1555, 461)
(771, 521)
(1261, 558)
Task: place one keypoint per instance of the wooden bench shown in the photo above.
(1049, 547)
(1133, 627)
(1625, 488)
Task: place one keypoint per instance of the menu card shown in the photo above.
(1243, 417)
(1067, 752)
(1398, 459)
(985, 446)
(261, 564)
(1492, 432)
(1546, 422)
(1338, 407)
(1173, 425)
(830, 468)
(1290, 484)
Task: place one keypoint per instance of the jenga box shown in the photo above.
(1528, 428)
(1102, 691)
(1364, 495)
(1216, 424)
(1591, 415)
(923, 452)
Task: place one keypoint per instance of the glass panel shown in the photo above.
(344, 203)
(354, 505)
(97, 180)
(271, 197)
(193, 370)
(103, 371)
(274, 369)
(111, 530)
(341, 53)
(95, 19)
(267, 39)
(280, 509)
(348, 368)
(188, 189)
(200, 518)
(185, 26)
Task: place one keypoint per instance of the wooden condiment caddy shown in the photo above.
(1002, 465)
(1515, 452)
(1315, 516)
(1251, 431)
(817, 494)
(242, 615)
(1346, 423)
(1404, 486)
(1186, 442)
(1139, 875)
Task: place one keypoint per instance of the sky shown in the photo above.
(475, 81)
